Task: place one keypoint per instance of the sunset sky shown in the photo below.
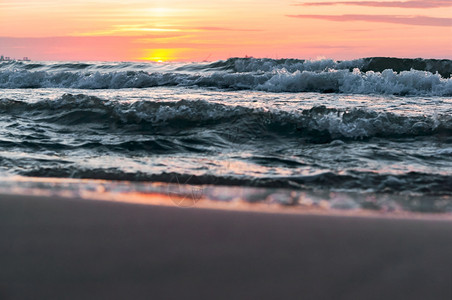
(196, 30)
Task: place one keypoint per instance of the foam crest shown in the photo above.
(359, 124)
(376, 64)
(356, 82)
(361, 76)
(331, 80)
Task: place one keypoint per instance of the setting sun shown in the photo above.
(160, 55)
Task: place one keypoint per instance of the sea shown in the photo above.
(371, 134)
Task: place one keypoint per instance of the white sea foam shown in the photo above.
(412, 83)
(356, 82)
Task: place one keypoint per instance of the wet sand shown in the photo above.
(78, 249)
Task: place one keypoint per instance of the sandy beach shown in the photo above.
(55, 248)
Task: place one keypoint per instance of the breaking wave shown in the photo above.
(318, 124)
(391, 76)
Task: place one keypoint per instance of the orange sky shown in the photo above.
(198, 30)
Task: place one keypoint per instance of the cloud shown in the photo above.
(400, 4)
(406, 20)
(138, 30)
(212, 28)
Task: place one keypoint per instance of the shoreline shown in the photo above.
(70, 248)
(163, 200)
(229, 198)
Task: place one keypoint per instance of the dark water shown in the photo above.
(369, 126)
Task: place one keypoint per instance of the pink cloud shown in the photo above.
(400, 4)
(406, 20)
(212, 28)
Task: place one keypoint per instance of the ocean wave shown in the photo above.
(318, 124)
(356, 82)
(248, 65)
(363, 76)
(376, 64)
